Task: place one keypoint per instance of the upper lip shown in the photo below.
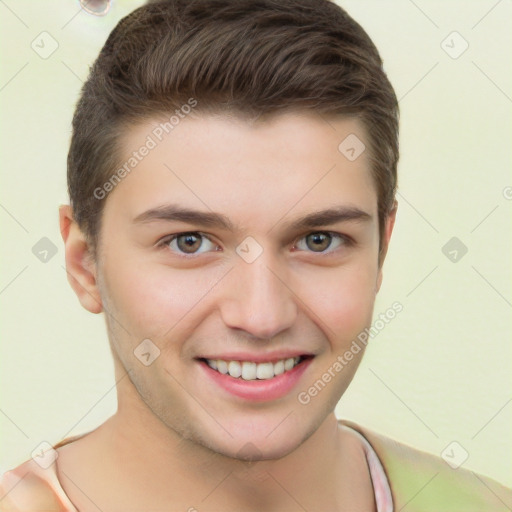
(258, 357)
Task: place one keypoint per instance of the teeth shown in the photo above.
(289, 363)
(265, 371)
(222, 366)
(235, 369)
(249, 370)
(279, 368)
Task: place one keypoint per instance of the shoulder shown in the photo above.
(24, 488)
(425, 482)
(31, 487)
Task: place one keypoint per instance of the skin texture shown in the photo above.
(177, 437)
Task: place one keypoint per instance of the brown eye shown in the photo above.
(318, 241)
(190, 243)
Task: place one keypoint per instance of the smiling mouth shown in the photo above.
(249, 370)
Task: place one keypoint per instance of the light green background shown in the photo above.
(437, 373)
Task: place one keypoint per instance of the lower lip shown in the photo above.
(258, 390)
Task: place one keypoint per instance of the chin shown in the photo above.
(262, 439)
(249, 449)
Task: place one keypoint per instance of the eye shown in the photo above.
(320, 241)
(188, 243)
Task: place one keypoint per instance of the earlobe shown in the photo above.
(388, 230)
(80, 268)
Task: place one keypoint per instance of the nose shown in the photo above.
(257, 299)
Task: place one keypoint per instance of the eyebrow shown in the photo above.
(176, 213)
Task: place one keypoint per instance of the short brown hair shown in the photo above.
(249, 57)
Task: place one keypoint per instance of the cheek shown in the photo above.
(152, 301)
(342, 298)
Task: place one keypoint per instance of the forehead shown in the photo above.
(250, 170)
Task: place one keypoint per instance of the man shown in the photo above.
(232, 176)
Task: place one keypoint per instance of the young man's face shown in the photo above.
(254, 288)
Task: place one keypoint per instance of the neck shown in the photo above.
(324, 473)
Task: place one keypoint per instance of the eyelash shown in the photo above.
(344, 239)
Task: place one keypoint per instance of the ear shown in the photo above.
(80, 267)
(388, 229)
